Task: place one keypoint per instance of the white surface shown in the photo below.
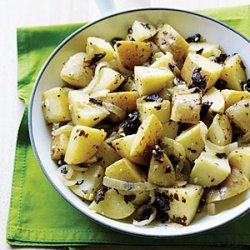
(32, 13)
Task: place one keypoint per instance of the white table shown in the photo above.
(16, 13)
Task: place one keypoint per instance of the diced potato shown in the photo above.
(108, 79)
(184, 202)
(160, 108)
(235, 184)
(192, 142)
(233, 72)
(147, 135)
(240, 159)
(97, 46)
(206, 49)
(209, 170)
(55, 105)
(214, 97)
(125, 170)
(58, 146)
(186, 107)
(220, 131)
(166, 61)
(161, 171)
(169, 40)
(239, 114)
(83, 111)
(88, 182)
(123, 146)
(233, 96)
(128, 84)
(76, 72)
(141, 31)
(209, 69)
(83, 144)
(113, 206)
(170, 129)
(106, 155)
(151, 80)
(132, 53)
(124, 100)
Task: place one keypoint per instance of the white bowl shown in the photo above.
(187, 23)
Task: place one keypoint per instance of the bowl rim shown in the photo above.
(30, 125)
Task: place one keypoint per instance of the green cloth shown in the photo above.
(38, 215)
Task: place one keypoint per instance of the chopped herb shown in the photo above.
(100, 194)
(95, 101)
(97, 58)
(172, 66)
(220, 84)
(242, 65)
(205, 106)
(161, 204)
(194, 39)
(79, 182)
(158, 154)
(83, 133)
(115, 40)
(158, 107)
(146, 25)
(221, 58)
(221, 155)
(130, 30)
(181, 220)
(168, 169)
(246, 85)
(145, 214)
(199, 52)
(128, 198)
(152, 98)
(64, 170)
(198, 80)
(130, 126)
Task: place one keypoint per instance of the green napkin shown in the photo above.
(38, 215)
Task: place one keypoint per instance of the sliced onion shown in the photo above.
(100, 93)
(213, 147)
(115, 110)
(127, 186)
(64, 129)
(93, 159)
(95, 79)
(66, 174)
(152, 197)
(147, 221)
(211, 209)
(78, 168)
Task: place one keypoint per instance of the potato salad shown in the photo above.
(152, 127)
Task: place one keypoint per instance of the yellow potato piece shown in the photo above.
(147, 135)
(83, 144)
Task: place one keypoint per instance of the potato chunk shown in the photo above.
(169, 40)
(99, 46)
(83, 111)
(161, 171)
(58, 146)
(184, 202)
(141, 31)
(55, 105)
(235, 184)
(220, 131)
(125, 100)
(233, 72)
(210, 70)
(209, 170)
(83, 144)
(132, 53)
(214, 97)
(108, 79)
(240, 159)
(170, 129)
(151, 80)
(125, 170)
(113, 206)
(233, 96)
(160, 108)
(207, 49)
(76, 72)
(123, 146)
(192, 141)
(147, 135)
(88, 182)
(186, 107)
(239, 114)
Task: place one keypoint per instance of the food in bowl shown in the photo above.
(151, 126)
